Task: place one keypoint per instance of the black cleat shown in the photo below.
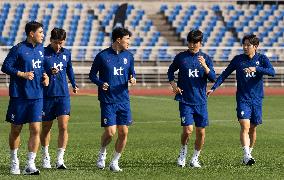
(62, 166)
(249, 162)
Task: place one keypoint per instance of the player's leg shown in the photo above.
(47, 121)
(16, 115)
(33, 144)
(35, 108)
(252, 136)
(201, 121)
(14, 142)
(186, 117)
(63, 109)
(123, 120)
(256, 119)
(45, 139)
(244, 112)
(108, 121)
(62, 140)
(120, 144)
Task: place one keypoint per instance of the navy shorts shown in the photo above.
(54, 107)
(115, 114)
(251, 111)
(193, 113)
(21, 111)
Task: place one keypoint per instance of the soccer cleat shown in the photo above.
(31, 170)
(248, 161)
(101, 163)
(194, 164)
(181, 160)
(182, 157)
(114, 166)
(60, 166)
(15, 167)
(46, 162)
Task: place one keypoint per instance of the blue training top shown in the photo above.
(58, 85)
(249, 85)
(114, 69)
(25, 57)
(192, 78)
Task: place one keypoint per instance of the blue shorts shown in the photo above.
(21, 111)
(251, 111)
(115, 114)
(193, 113)
(54, 107)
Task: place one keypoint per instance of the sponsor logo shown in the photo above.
(117, 72)
(58, 66)
(36, 64)
(193, 73)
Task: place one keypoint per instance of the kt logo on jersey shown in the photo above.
(193, 73)
(117, 71)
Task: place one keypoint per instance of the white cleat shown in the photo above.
(46, 162)
(194, 164)
(101, 162)
(15, 167)
(31, 170)
(181, 160)
(114, 167)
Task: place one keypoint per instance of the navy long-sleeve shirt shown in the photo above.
(58, 85)
(249, 85)
(192, 78)
(25, 57)
(114, 69)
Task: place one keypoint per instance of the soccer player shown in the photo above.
(195, 69)
(116, 68)
(24, 64)
(56, 102)
(250, 68)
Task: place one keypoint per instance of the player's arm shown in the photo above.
(94, 71)
(71, 75)
(267, 68)
(208, 67)
(171, 76)
(8, 66)
(132, 74)
(231, 67)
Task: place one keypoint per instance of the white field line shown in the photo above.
(161, 122)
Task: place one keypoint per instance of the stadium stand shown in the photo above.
(159, 31)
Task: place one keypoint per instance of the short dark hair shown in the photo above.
(32, 26)
(120, 33)
(58, 34)
(195, 36)
(252, 39)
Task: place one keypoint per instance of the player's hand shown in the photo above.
(132, 80)
(75, 89)
(54, 70)
(250, 69)
(105, 86)
(45, 78)
(176, 89)
(209, 92)
(26, 75)
(202, 61)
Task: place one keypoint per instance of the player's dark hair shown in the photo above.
(32, 26)
(120, 33)
(195, 36)
(252, 39)
(58, 34)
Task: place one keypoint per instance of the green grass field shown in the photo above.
(154, 142)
